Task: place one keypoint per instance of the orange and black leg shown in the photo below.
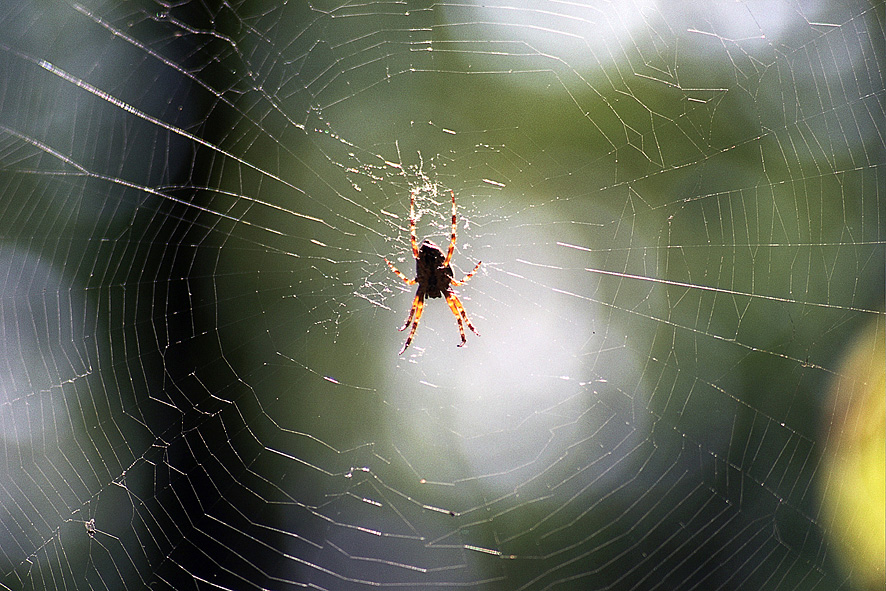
(405, 279)
(458, 311)
(452, 238)
(412, 237)
(466, 277)
(418, 306)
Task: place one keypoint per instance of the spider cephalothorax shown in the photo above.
(434, 277)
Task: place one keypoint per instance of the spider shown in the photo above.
(434, 278)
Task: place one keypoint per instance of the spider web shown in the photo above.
(679, 213)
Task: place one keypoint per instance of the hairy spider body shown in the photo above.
(430, 270)
(434, 277)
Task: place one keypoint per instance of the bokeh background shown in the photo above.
(679, 212)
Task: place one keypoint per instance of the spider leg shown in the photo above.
(412, 237)
(468, 276)
(464, 314)
(450, 299)
(405, 279)
(417, 307)
(458, 310)
(451, 240)
(415, 302)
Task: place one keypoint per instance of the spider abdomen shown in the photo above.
(430, 272)
(438, 282)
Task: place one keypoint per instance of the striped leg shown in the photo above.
(417, 308)
(415, 303)
(412, 237)
(461, 310)
(450, 299)
(465, 280)
(405, 279)
(458, 310)
(452, 239)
